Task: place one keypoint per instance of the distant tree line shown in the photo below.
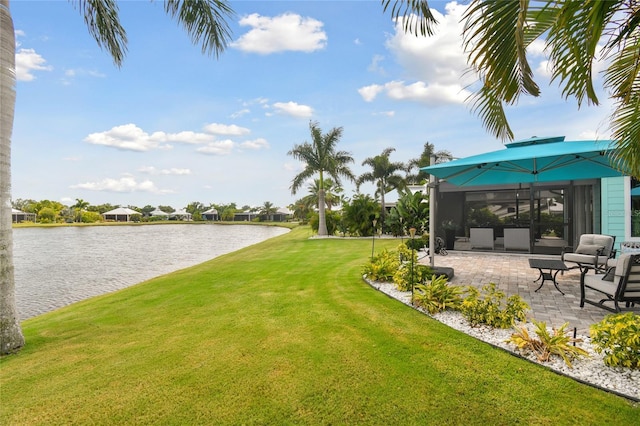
(48, 211)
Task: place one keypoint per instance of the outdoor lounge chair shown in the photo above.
(594, 250)
(620, 285)
(481, 238)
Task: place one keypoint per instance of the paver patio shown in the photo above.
(511, 273)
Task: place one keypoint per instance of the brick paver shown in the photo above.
(511, 273)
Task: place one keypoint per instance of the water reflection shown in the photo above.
(55, 267)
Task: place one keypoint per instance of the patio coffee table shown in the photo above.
(550, 264)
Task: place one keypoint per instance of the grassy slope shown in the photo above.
(278, 333)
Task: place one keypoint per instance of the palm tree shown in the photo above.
(320, 157)
(423, 161)
(204, 20)
(497, 33)
(332, 193)
(78, 208)
(384, 175)
(268, 210)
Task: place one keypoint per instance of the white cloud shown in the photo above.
(28, 61)
(439, 58)
(432, 94)
(227, 130)
(437, 64)
(255, 144)
(172, 171)
(288, 31)
(124, 184)
(293, 109)
(129, 137)
(240, 113)
(369, 93)
(386, 113)
(217, 148)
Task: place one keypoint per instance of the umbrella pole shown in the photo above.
(432, 213)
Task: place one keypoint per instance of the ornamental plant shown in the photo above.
(491, 308)
(382, 266)
(437, 295)
(403, 276)
(618, 337)
(547, 343)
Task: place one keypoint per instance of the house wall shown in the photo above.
(615, 207)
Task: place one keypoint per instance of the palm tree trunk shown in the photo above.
(11, 338)
(322, 219)
(383, 212)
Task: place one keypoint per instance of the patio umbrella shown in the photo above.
(529, 161)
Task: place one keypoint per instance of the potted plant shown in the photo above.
(449, 227)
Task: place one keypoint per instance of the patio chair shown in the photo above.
(481, 238)
(594, 250)
(620, 285)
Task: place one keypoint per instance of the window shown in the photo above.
(635, 207)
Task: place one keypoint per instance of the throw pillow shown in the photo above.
(590, 249)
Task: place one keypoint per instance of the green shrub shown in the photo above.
(437, 295)
(418, 243)
(618, 337)
(547, 344)
(403, 279)
(382, 267)
(491, 309)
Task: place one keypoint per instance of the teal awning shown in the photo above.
(531, 160)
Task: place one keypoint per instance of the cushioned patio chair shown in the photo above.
(620, 285)
(594, 250)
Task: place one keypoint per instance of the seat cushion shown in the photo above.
(583, 258)
(591, 249)
(596, 282)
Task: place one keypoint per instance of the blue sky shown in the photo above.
(174, 126)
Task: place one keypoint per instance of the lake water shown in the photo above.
(55, 267)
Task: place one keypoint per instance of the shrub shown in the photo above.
(437, 295)
(382, 267)
(547, 344)
(618, 337)
(331, 218)
(403, 279)
(405, 254)
(491, 309)
(418, 243)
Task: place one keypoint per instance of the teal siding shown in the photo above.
(614, 217)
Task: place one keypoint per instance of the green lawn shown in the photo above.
(282, 332)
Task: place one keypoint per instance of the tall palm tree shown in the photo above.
(320, 157)
(384, 174)
(204, 21)
(496, 36)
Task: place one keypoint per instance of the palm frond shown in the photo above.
(103, 23)
(494, 37)
(416, 15)
(489, 107)
(205, 21)
(572, 44)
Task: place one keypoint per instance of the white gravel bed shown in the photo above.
(591, 370)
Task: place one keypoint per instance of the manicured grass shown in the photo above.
(283, 332)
